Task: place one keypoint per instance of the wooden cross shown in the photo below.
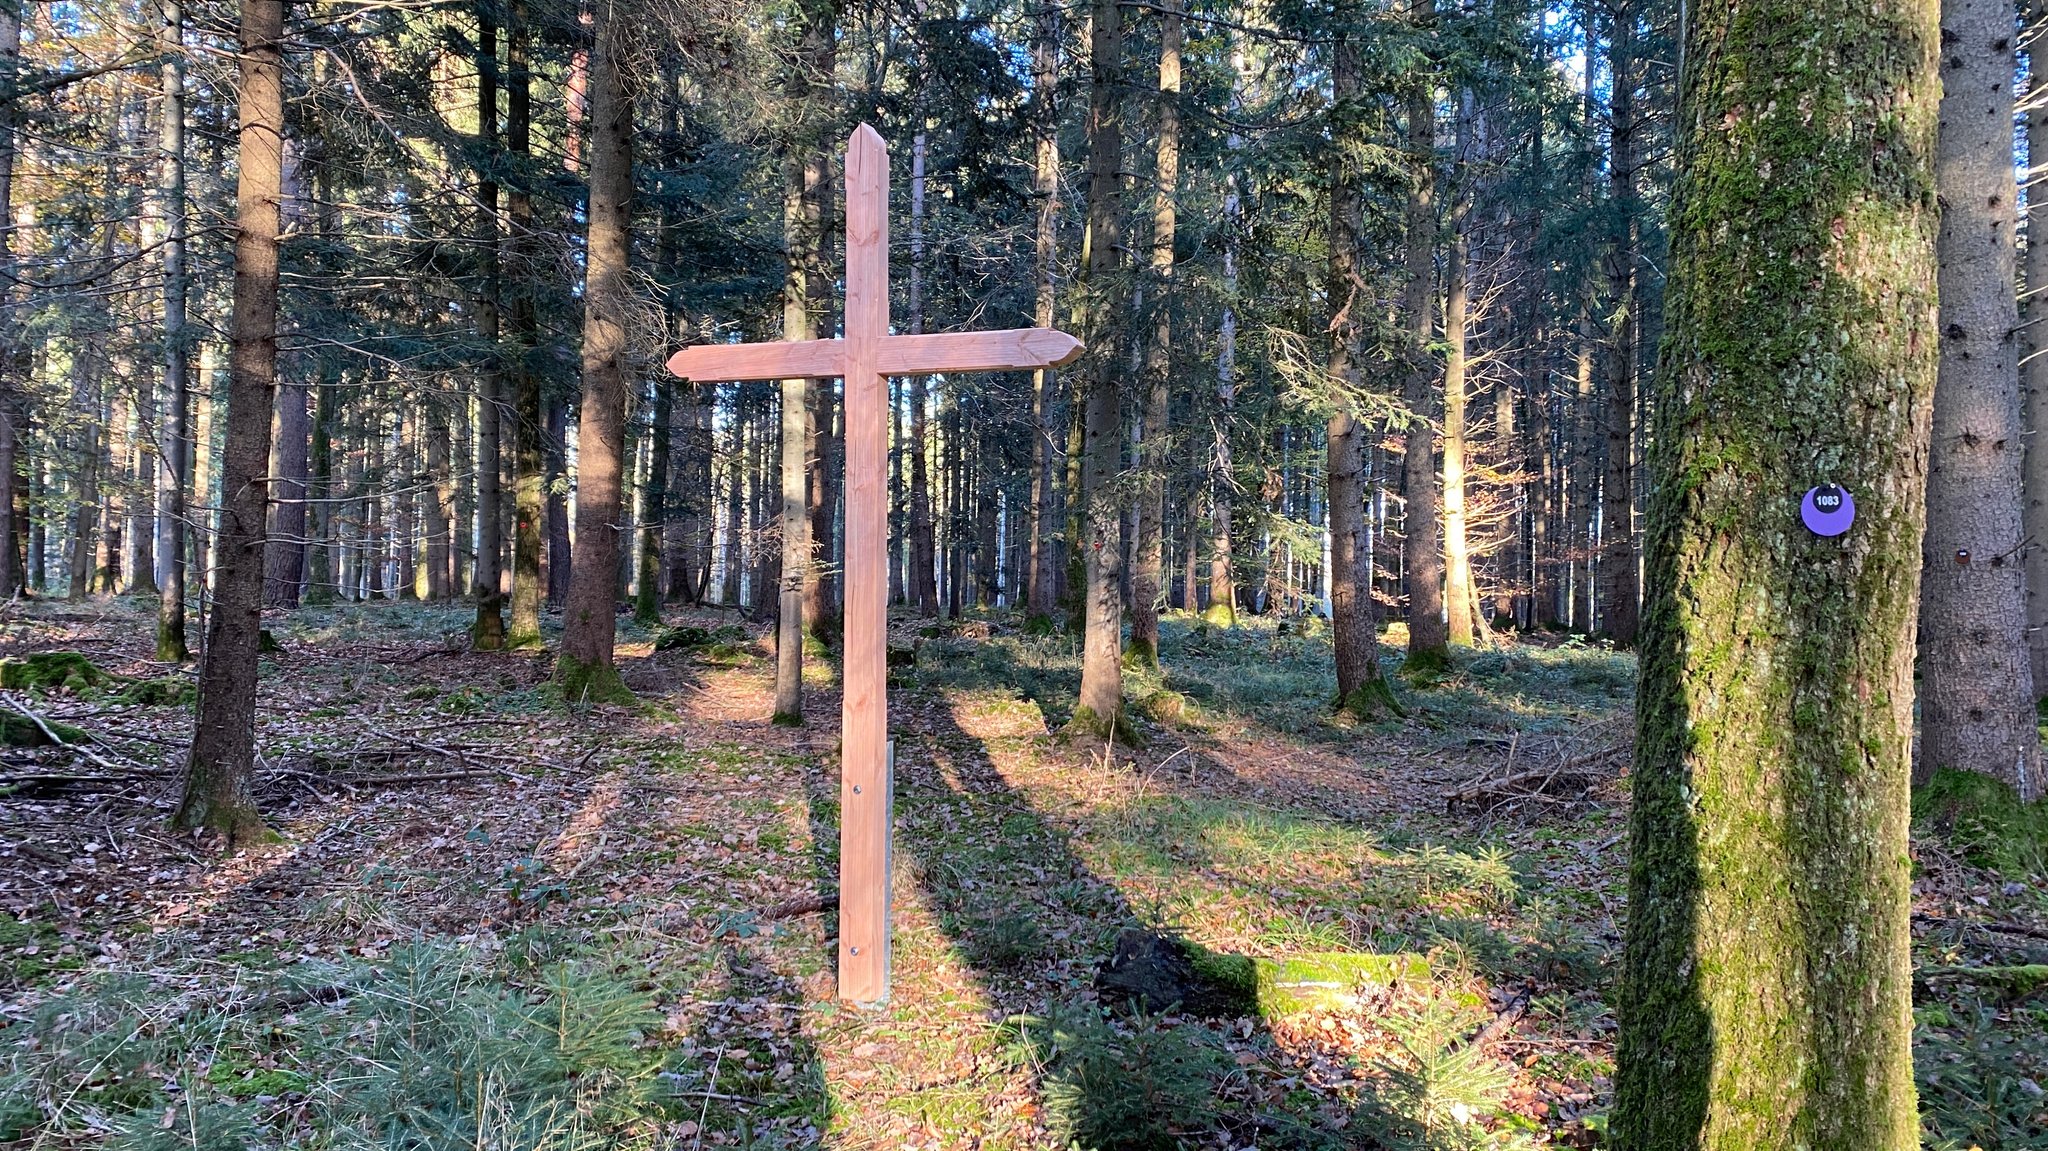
(866, 357)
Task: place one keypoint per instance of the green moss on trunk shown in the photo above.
(593, 682)
(1141, 652)
(1372, 700)
(1086, 721)
(1766, 993)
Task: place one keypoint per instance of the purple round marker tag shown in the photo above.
(1827, 510)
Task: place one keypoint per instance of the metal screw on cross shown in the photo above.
(865, 357)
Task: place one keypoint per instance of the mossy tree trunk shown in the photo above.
(1766, 993)
(584, 669)
(1100, 709)
(218, 796)
(1976, 678)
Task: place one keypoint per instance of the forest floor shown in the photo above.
(490, 920)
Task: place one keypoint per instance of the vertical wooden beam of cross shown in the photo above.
(866, 357)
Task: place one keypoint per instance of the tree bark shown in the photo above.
(13, 379)
(1766, 996)
(285, 555)
(1619, 605)
(1149, 542)
(528, 413)
(1458, 596)
(1042, 565)
(1222, 485)
(1354, 619)
(1422, 557)
(217, 796)
(1976, 674)
(2034, 364)
(174, 454)
(654, 509)
(1099, 710)
(488, 632)
(804, 185)
(924, 576)
(584, 670)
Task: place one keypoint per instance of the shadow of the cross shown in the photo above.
(991, 890)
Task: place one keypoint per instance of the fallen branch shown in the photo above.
(2001, 928)
(421, 777)
(2017, 979)
(81, 749)
(1499, 1025)
(803, 905)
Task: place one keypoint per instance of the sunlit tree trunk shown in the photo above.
(218, 796)
(1458, 598)
(1042, 564)
(584, 668)
(174, 436)
(1422, 557)
(1149, 544)
(487, 633)
(1766, 994)
(1976, 676)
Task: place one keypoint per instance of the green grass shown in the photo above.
(436, 1045)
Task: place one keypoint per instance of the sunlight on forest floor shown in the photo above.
(494, 922)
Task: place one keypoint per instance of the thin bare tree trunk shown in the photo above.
(488, 632)
(924, 576)
(1041, 566)
(1619, 596)
(14, 554)
(218, 796)
(1149, 541)
(804, 183)
(1458, 595)
(1222, 610)
(1422, 557)
(1976, 678)
(583, 668)
(528, 413)
(2034, 357)
(1099, 710)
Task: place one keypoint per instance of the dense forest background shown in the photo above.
(431, 293)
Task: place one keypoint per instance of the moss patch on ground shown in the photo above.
(1984, 820)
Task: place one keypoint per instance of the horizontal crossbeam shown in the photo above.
(1014, 349)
